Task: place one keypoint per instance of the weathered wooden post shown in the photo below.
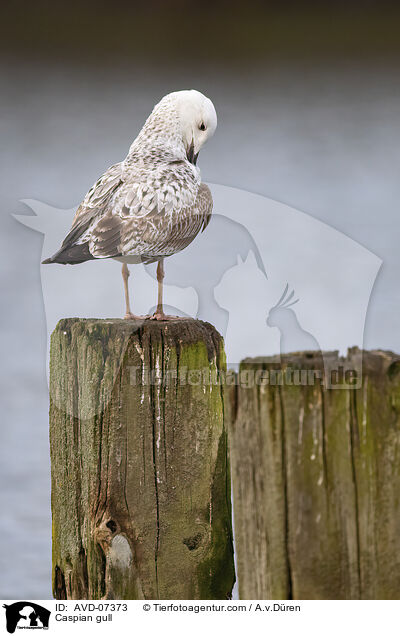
(140, 481)
(316, 479)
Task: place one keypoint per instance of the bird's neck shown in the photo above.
(161, 131)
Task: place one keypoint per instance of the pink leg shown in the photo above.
(159, 313)
(125, 275)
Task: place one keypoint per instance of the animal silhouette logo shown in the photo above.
(242, 292)
(26, 615)
(220, 277)
(292, 336)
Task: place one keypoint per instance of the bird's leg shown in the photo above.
(125, 275)
(160, 279)
(159, 313)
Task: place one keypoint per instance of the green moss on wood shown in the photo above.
(316, 477)
(138, 460)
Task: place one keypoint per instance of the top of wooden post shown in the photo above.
(94, 349)
(178, 331)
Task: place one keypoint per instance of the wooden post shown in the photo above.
(316, 481)
(140, 481)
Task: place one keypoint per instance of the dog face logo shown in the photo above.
(26, 615)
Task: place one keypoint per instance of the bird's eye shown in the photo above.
(202, 126)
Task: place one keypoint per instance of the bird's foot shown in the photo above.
(130, 316)
(159, 315)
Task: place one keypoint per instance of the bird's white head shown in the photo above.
(197, 118)
(184, 119)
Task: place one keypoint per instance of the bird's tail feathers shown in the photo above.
(70, 255)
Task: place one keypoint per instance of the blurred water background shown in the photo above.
(308, 103)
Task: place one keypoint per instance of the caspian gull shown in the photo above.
(152, 204)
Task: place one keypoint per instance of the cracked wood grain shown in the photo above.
(140, 475)
(316, 483)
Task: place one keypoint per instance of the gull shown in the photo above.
(153, 203)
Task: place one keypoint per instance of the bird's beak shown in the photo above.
(190, 154)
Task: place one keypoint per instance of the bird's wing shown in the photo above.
(143, 212)
(94, 205)
(205, 204)
(172, 237)
(152, 221)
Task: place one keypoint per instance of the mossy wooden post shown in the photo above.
(316, 480)
(140, 483)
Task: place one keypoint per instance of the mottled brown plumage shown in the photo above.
(152, 204)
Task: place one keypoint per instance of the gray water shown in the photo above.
(323, 140)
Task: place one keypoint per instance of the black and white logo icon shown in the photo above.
(26, 615)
